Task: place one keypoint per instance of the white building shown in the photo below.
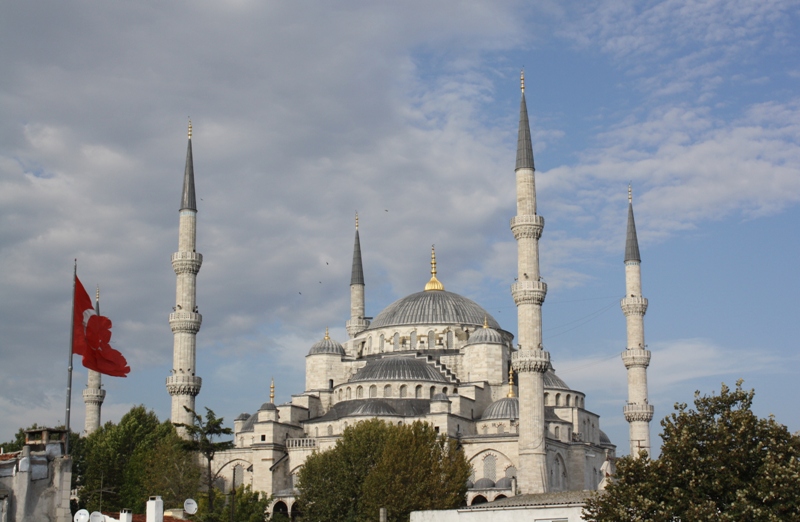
(434, 356)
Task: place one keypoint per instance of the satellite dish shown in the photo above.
(190, 506)
(96, 516)
(81, 516)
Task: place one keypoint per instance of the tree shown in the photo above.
(248, 506)
(18, 442)
(201, 435)
(375, 464)
(719, 462)
(419, 469)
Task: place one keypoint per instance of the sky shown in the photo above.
(406, 112)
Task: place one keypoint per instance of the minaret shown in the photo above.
(93, 395)
(357, 323)
(638, 412)
(531, 361)
(183, 385)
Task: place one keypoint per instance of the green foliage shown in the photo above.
(719, 462)
(202, 433)
(417, 470)
(248, 506)
(123, 464)
(375, 464)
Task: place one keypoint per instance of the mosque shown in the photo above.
(434, 356)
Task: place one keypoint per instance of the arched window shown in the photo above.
(330, 430)
(444, 390)
(316, 431)
(403, 391)
(369, 344)
(485, 429)
(373, 391)
(433, 391)
(501, 429)
(449, 339)
(557, 432)
(490, 467)
(511, 472)
(418, 391)
(381, 343)
(359, 393)
(330, 384)
(479, 499)
(568, 397)
(547, 399)
(347, 395)
(431, 340)
(387, 390)
(413, 340)
(396, 342)
(558, 399)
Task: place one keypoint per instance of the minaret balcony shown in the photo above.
(636, 358)
(633, 305)
(536, 360)
(186, 262)
(94, 395)
(638, 412)
(356, 326)
(182, 384)
(185, 322)
(527, 226)
(529, 292)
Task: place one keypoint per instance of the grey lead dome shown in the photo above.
(327, 346)
(428, 308)
(398, 369)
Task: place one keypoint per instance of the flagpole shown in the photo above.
(69, 365)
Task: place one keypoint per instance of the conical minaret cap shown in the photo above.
(524, 146)
(631, 242)
(357, 275)
(188, 200)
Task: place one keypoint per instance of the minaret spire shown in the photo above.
(357, 323)
(183, 384)
(531, 361)
(638, 412)
(434, 284)
(93, 395)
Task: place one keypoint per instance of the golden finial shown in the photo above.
(630, 194)
(356, 219)
(327, 337)
(485, 321)
(272, 391)
(522, 80)
(434, 283)
(190, 128)
(511, 382)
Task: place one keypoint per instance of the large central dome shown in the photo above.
(437, 307)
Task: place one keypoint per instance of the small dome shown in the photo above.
(470, 485)
(327, 346)
(374, 408)
(484, 483)
(243, 417)
(440, 397)
(485, 335)
(398, 369)
(504, 483)
(267, 406)
(604, 438)
(551, 380)
(505, 408)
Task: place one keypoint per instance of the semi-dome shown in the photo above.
(505, 408)
(327, 345)
(484, 483)
(374, 408)
(551, 380)
(398, 369)
(503, 483)
(267, 406)
(439, 307)
(440, 397)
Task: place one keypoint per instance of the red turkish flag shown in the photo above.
(91, 334)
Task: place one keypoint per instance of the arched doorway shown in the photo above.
(478, 499)
(280, 509)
